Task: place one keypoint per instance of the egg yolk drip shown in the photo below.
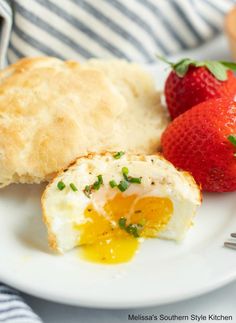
(103, 237)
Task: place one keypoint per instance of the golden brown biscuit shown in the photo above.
(53, 111)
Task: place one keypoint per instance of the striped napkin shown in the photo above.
(80, 29)
(13, 309)
(131, 29)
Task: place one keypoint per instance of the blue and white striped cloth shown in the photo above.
(13, 309)
(130, 29)
(80, 29)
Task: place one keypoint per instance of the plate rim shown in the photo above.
(208, 288)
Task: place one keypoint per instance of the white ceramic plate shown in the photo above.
(162, 271)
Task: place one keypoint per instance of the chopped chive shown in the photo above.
(113, 184)
(136, 180)
(122, 223)
(123, 186)
(73, 187)
(100, 179)
(61, 185)
(118, 155)
(133, 229)
(96, 185)
(125, 171)
(232, 139)
(87, 190)
(130, 179)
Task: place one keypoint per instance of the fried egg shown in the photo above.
(108, 203)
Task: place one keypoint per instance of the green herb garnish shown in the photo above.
(130, 179)
(135, 180)
(125, 171)
(87, 190)
(61, 185)
(123, 186)
(96, 185)
(122, 223)
(133, 229)
(73, 187)
(119, 154)
(232, 139)
(113, 184)
(100, 179)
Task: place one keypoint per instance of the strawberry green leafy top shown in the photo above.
(217, 68)
(232, 139)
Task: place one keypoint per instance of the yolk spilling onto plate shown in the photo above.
(106, 241)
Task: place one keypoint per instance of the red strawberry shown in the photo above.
(203, 142)
(191, 82)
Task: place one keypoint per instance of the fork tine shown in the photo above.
(231, 245)
(233, 235)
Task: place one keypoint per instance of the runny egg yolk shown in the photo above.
(105, 241)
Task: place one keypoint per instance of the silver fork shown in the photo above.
(231, 245)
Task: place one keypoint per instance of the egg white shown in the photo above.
(63, 209)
